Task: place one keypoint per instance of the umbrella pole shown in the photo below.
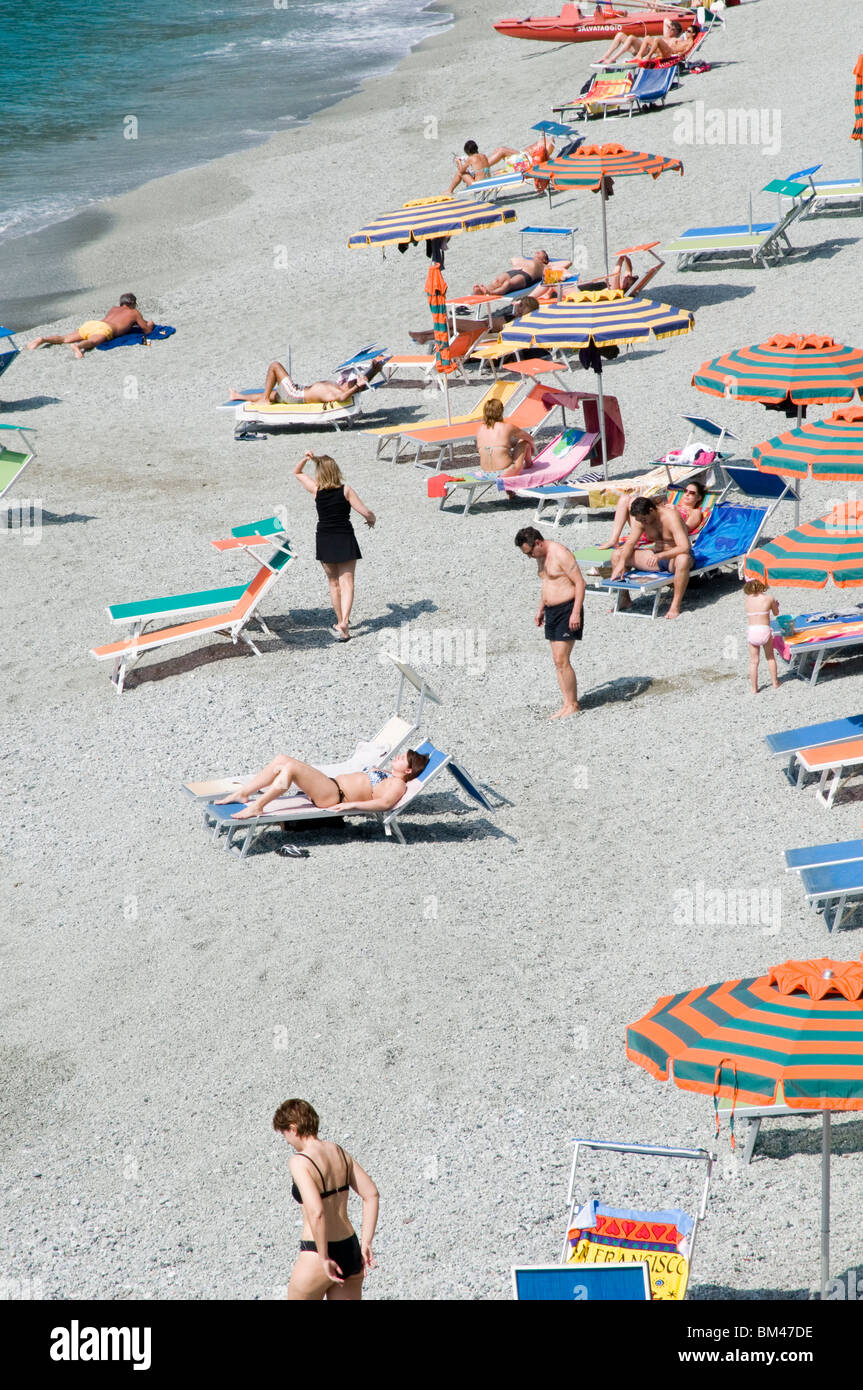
(604, 246)
(601, 409)
(825, 1204)
(799, 489)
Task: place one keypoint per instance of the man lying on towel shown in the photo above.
(525, 271)
(280, 386)
(669, 549)
(121, 319)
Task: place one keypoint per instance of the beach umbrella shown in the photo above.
(436, 288)
(430, 219)
(794, 1035)
(814, 554)
(828, 450)
(785, 370)
(592, 166)
(857, 131)
(593, 320)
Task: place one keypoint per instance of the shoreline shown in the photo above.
(51, 250)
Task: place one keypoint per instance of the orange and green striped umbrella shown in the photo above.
(805, 370)
(436, 288)
(794, 1034)
(814, 554)
(857, 132)
(828, 450)
(593, 165)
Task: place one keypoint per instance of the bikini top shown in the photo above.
(326, 1192)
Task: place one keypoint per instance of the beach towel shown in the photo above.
(160, 331)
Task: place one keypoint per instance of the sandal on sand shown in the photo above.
(338, 634)
(292, 852)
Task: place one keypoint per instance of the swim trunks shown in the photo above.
(557, 616)
(95, 328)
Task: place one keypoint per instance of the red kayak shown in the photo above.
(575, 25)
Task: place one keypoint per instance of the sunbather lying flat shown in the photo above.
(279, 386)
(524, 272)
(371, 790)
(120, 319)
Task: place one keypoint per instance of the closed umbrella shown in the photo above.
(436, 289)
(593, 320)
(592, 166)
(794, 1034)
(857, 131)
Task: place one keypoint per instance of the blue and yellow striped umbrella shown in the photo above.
(600, 318)
(429, 218)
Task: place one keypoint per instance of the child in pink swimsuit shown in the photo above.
(760, 603)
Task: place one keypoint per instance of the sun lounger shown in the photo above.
(730, 533)
(827, 192)
(834, 889)
(530, 414)
(819, 856)
(638, 286)
(394, 735)
(240, 835)
(597, 1233)
(397, 434)
(14, 461)
(835, 762)
(760, 241)
(8, 349)
(593, 494)
(752, 1115)
(555, 462)
(425, 362)
(792, 741)
(628, 89)
(818, 637)
(238, 605)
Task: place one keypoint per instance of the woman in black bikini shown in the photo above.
(371, 789)
(332, 1262)
(335, 543)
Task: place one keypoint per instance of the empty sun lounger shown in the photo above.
(14, 461)
(835, 762)
(559, 458)
(240, 835)
(394, 735)
(827, 193)
(238, 606)
(790, 742)
(8, 349)
(762, 242)
(834, 889)
(730, 533)
(598, 1233)
(820, 856)
(396, 435)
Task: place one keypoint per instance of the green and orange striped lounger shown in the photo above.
(237, 604)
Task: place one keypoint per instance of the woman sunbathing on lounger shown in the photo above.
(690, 509)
(478, 166)
(525, 272)
(503, 447)
(621, 278)
(371, 790)
(671, 43)
(279, 386)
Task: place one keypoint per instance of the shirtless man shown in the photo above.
(525, 271)
(121, 319)
(478, 166)
(670, 549)
(503, 447)
(561, 608)
(279, 386)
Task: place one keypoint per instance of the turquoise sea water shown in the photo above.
(200, 77)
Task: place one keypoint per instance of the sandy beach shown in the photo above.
(455, 1009)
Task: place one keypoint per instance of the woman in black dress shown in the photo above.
(336, 545)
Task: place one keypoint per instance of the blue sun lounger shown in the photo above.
(823, 856)
(8, 349)
(791, 742)
(760, 241)
(241, 834)
(834, 889)
(828, 191)
(729, 534)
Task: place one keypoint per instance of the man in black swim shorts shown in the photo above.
(561, 608)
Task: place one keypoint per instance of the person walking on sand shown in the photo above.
(760, 603)
(335, 543)
(122, 318)
(561, 608)
(332, 1262)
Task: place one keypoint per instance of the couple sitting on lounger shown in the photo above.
(668, 548)
(370, 790)
(690, 508)
(279, 386)
(671, 43)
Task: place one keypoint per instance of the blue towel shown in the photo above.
(729, 531)
(160, 331)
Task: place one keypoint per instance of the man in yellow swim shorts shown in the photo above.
(122, 318)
